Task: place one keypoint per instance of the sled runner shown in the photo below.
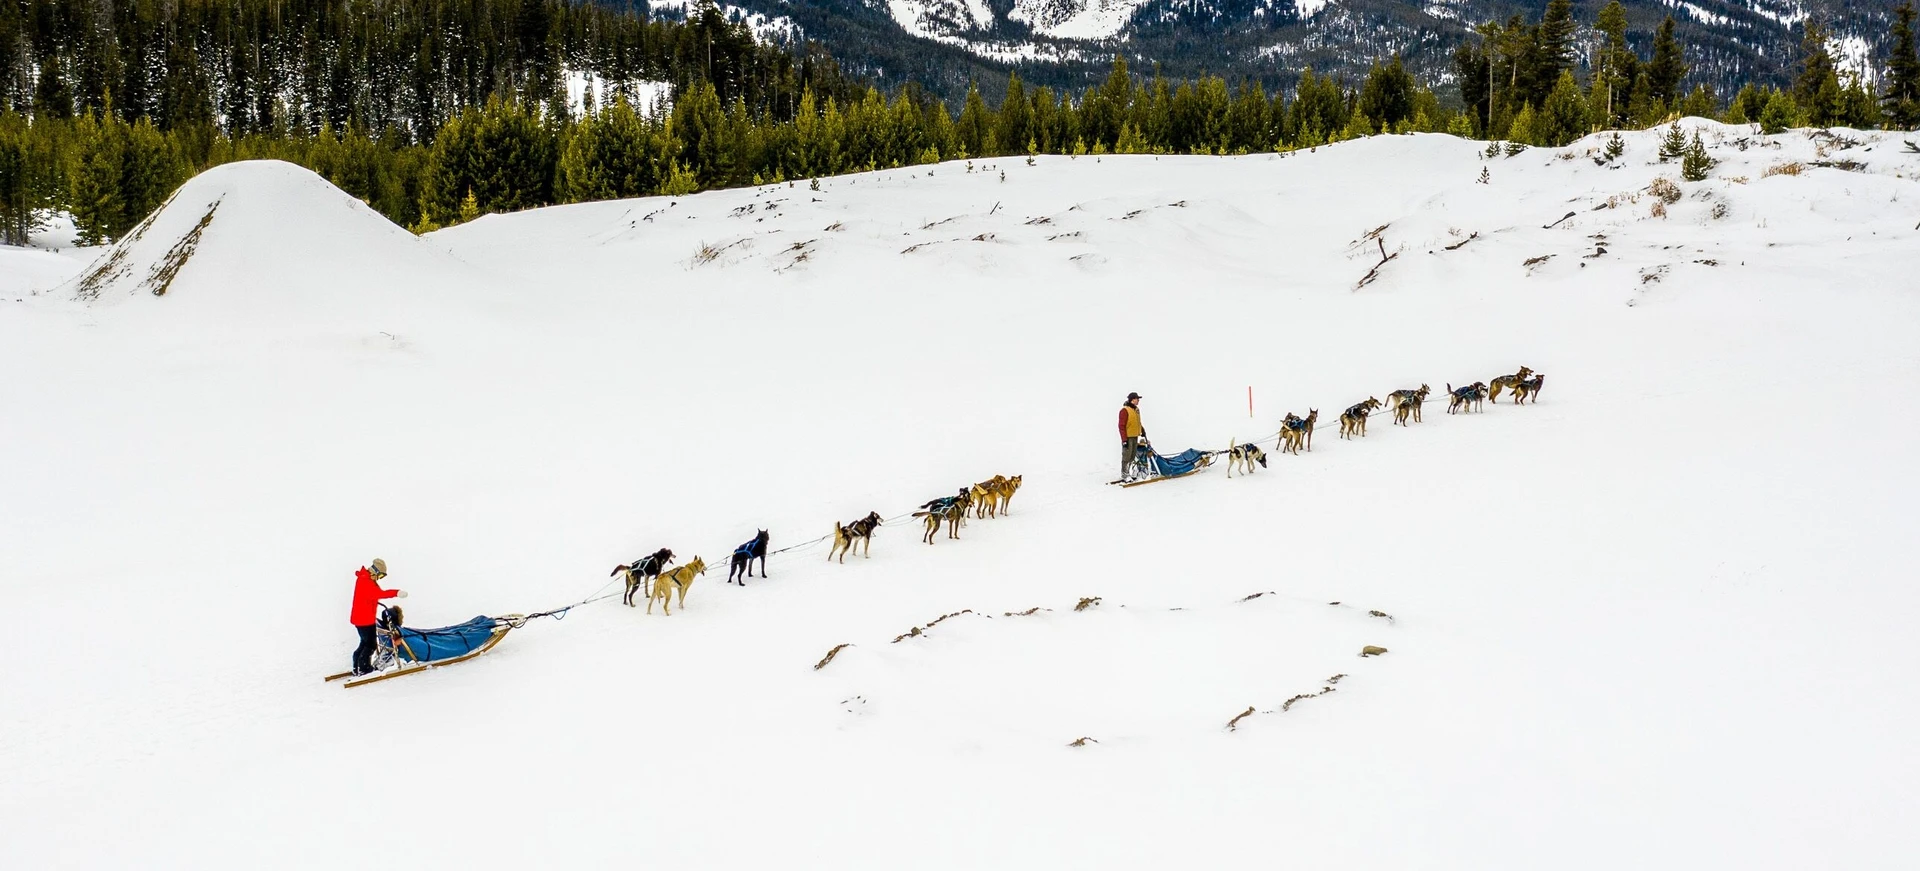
(402, 651)
(1149, 467)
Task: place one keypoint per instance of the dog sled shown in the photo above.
(1149, 467)
(402, 650)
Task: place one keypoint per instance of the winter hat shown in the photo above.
(1132, 396)
(379, 567)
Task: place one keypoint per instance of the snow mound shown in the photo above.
(271, 239)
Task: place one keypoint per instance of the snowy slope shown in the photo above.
(1656, 619)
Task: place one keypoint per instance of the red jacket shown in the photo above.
(365, 594)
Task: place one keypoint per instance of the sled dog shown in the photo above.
(1466, 398)
(1243, 457)
(743, 557)
(1507, 382)
(948, 509)
(1296, 431)
(641, 570)
(845, 537)
(678, 579)
(1400, 401)
(1354, 419)
(1529, 390)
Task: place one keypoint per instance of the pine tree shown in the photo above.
(52, 96)
(1746, 105)
(1617, 65)
(1667, 67)
(681, 182)
(1358, 126)
(1857, 107)
(469, 208)
(1674, 144)
(1902, 98)
(1013, 126)
(20, 203)
(1817, 87)
(94, 198)
(1615, 147)
(975, 127)
(1556, 42)
(1700, 102)
(1563, 118)
(1779, 114)
(1696, 163)
(1520, 134)
(1386, 97)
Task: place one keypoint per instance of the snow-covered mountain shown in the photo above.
(1658, 618)
(946, 43)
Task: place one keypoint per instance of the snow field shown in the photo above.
(1655, 619)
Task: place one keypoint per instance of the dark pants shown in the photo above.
(1127, 447)
(363, 655)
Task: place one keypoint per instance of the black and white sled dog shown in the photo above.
(641, 572)
(743, 557)
(1243, 457)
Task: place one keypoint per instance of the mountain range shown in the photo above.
(947, 45)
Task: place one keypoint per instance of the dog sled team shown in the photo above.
(1296, 433)
(656, 578)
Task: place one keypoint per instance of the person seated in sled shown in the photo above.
(366, 595)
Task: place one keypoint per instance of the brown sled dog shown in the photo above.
(679, 579)
(1296, 431)
(1354, 419)
(1007, 488)
(1529, 390)
(986, 496)
(1507, 382)
(1405, 404)
(845, 537)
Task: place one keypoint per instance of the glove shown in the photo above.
(399, 594)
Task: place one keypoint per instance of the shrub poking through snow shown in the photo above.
(1371, 650)
(830, 655)
(1788, 168)
(1086, 603)
(1235, 722)
(1083, 740)
(1027, 613)
(1664, 190)
(177, 256)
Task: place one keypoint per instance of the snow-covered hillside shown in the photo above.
(1656, 619)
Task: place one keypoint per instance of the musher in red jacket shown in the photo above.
(366, 593)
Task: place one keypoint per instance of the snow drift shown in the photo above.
(268, 240)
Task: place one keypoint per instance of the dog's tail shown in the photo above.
(618, 569)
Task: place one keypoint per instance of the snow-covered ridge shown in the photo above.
(767, 28)
(1076, 19)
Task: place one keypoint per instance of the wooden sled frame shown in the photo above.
(500, 631)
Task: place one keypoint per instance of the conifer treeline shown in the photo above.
(514, 144)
